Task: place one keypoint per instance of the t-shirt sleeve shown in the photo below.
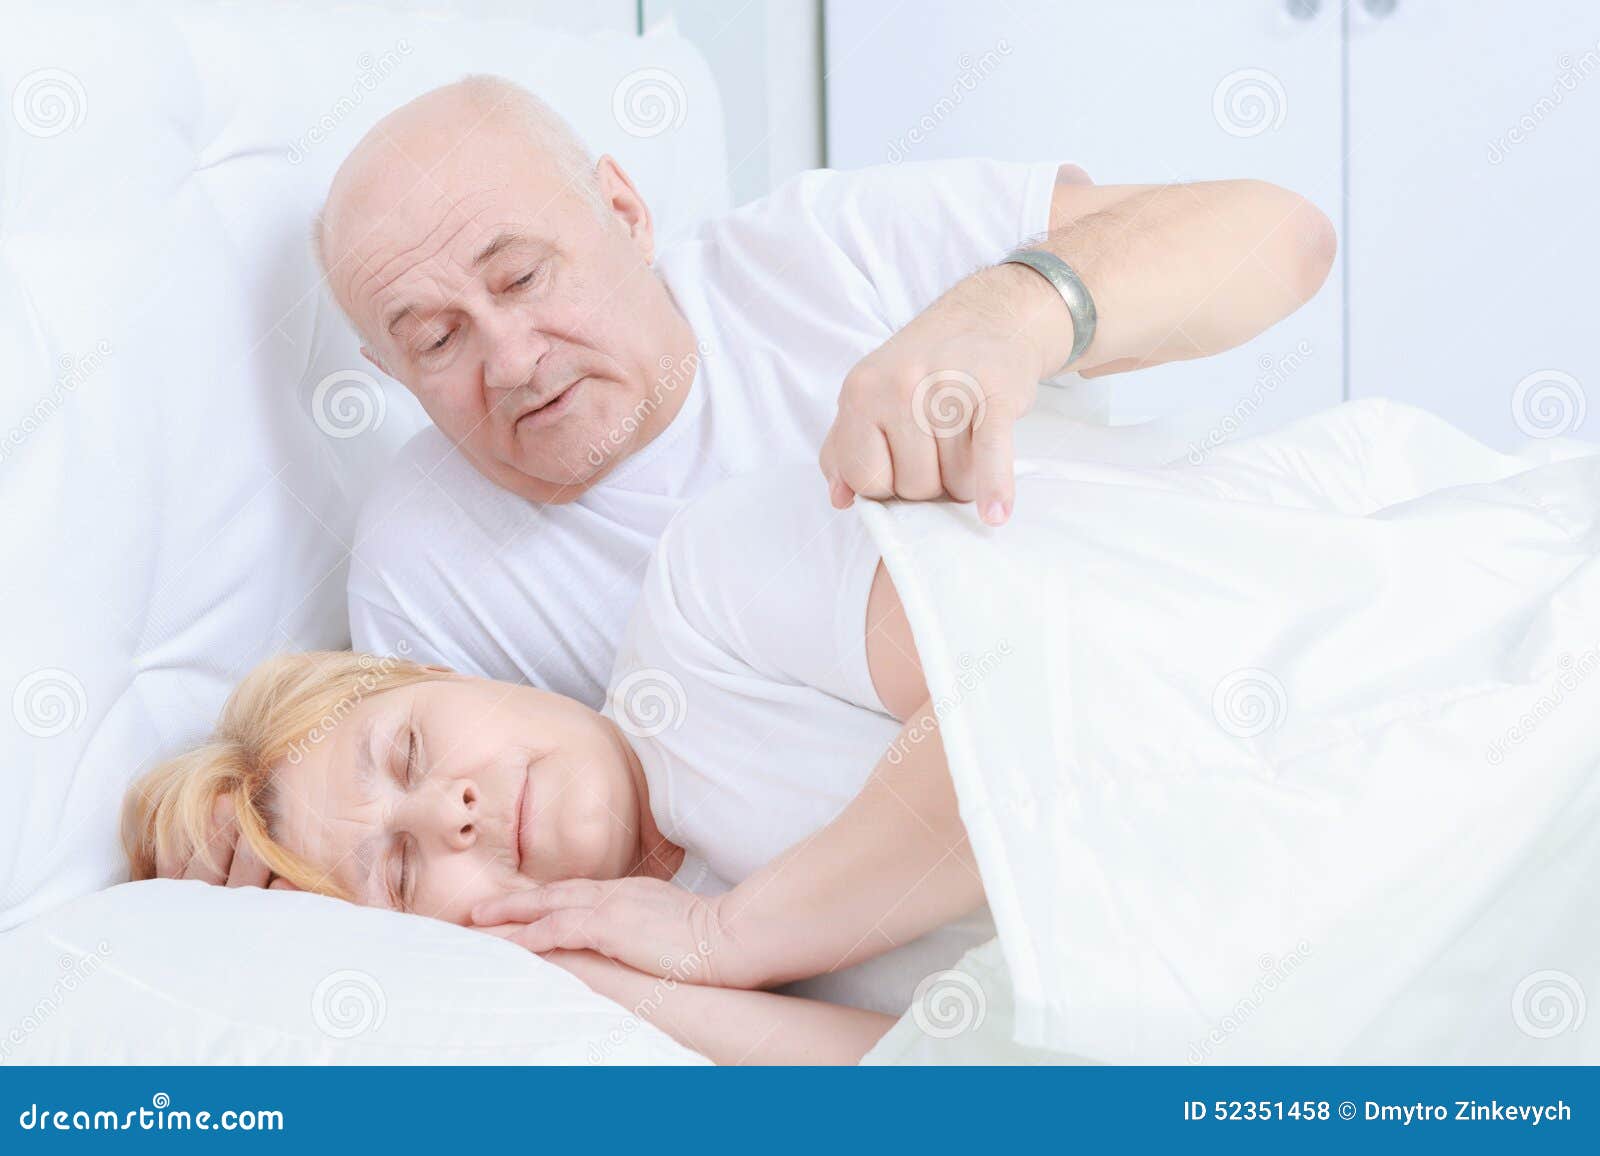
(914, 230)
(765, 571)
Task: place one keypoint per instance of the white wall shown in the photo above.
(766, 57)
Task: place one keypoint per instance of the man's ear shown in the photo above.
(373, 358)
(623, 201)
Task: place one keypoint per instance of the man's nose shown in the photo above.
(514, 353)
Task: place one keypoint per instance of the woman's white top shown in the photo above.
(742, 682)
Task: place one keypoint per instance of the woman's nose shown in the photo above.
(456, 814)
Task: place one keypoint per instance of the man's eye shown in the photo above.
(411, 756)
(441, 343)
(526, 279)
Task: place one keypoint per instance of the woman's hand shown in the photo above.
(648, 924)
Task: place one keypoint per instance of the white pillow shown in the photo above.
(168, 972)
(187, 426)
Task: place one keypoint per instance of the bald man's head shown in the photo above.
(428, 125)
(504, 276)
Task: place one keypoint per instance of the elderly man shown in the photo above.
(583, 386)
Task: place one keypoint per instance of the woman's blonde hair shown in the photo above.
(285, 706)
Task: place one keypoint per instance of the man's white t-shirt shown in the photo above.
(784, 295)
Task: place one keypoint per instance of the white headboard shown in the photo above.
(186, 424)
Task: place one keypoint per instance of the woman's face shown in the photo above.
(434, 797)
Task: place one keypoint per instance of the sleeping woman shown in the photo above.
(763, 799)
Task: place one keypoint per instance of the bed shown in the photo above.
(188, 429)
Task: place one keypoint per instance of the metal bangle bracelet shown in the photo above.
(1072, 289)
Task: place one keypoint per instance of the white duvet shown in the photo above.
(1287, 755)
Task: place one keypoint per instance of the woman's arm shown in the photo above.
(728, 1026)
(892, 865)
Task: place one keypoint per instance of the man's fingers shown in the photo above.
(955, 468)
(839, 494)
(864, 462)
(915, 463)
(281, 884)
(993, 466)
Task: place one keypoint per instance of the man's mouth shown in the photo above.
(550, 411)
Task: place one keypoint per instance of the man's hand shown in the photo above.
(929, 413)
(648, 924)
(231, 863)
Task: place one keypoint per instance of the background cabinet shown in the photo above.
(1452, 143)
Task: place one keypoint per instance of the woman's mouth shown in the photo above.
(519, 822)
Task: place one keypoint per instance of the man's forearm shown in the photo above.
(1176, 272)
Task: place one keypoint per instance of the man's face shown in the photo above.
(519, 309)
